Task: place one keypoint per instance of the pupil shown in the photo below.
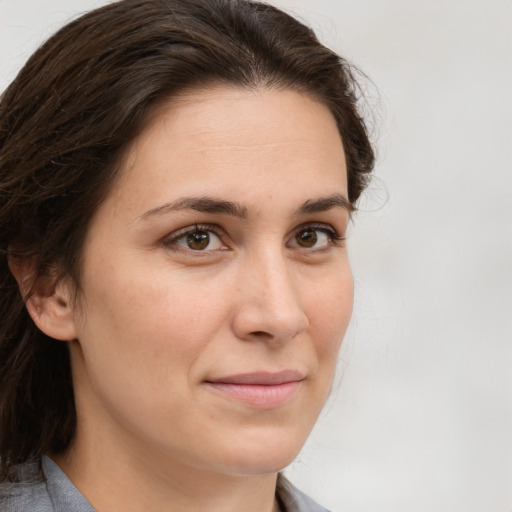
(307, 238)
(198, 240)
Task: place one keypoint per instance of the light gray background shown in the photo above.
(421, 418)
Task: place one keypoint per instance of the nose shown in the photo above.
(268, 305)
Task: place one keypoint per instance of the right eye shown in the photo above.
(197, 238)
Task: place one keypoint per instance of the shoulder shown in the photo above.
(26, 498)
(42, 487)
(28, 493)
(293, 500)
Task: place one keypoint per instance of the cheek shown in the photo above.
(143, 339)
(136, 313)
(330, 308)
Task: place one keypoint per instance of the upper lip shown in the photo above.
(260, 378)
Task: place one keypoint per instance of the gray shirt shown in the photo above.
(56, 493)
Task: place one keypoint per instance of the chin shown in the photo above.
(262, 456)
(259, 466)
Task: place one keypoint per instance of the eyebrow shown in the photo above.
(325, 203)
(200, 204)
(214, 205)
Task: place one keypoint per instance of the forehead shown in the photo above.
(243, 108)
(224, 138)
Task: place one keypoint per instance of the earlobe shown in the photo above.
(48, 302)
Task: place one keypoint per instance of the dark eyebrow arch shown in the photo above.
(200, 204)
(212, 205)
(323, 204)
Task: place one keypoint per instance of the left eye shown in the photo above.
(313, 238)
(199, 240)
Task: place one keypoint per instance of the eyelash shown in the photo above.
(331, 233)
(171, 241)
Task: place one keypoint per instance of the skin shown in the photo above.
(158, 321)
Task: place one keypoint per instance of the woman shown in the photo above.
(176, 180)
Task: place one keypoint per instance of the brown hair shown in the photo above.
(65, 122)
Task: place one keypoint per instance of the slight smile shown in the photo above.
(259, 389)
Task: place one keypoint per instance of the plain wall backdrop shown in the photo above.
(421, 415)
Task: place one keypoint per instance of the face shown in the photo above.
(216, 284)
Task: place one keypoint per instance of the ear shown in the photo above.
(48, 300)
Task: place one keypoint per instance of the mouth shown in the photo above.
(263, 390)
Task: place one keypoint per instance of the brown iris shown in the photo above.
(307, 238)
(198, 240)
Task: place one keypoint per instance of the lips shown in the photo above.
(258, 389)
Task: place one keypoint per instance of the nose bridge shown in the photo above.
(276, 283)
(270, 301)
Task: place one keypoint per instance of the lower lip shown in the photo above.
(257, 395)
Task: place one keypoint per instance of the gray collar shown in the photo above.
(64, 495)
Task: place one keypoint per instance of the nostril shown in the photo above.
(260, 333)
